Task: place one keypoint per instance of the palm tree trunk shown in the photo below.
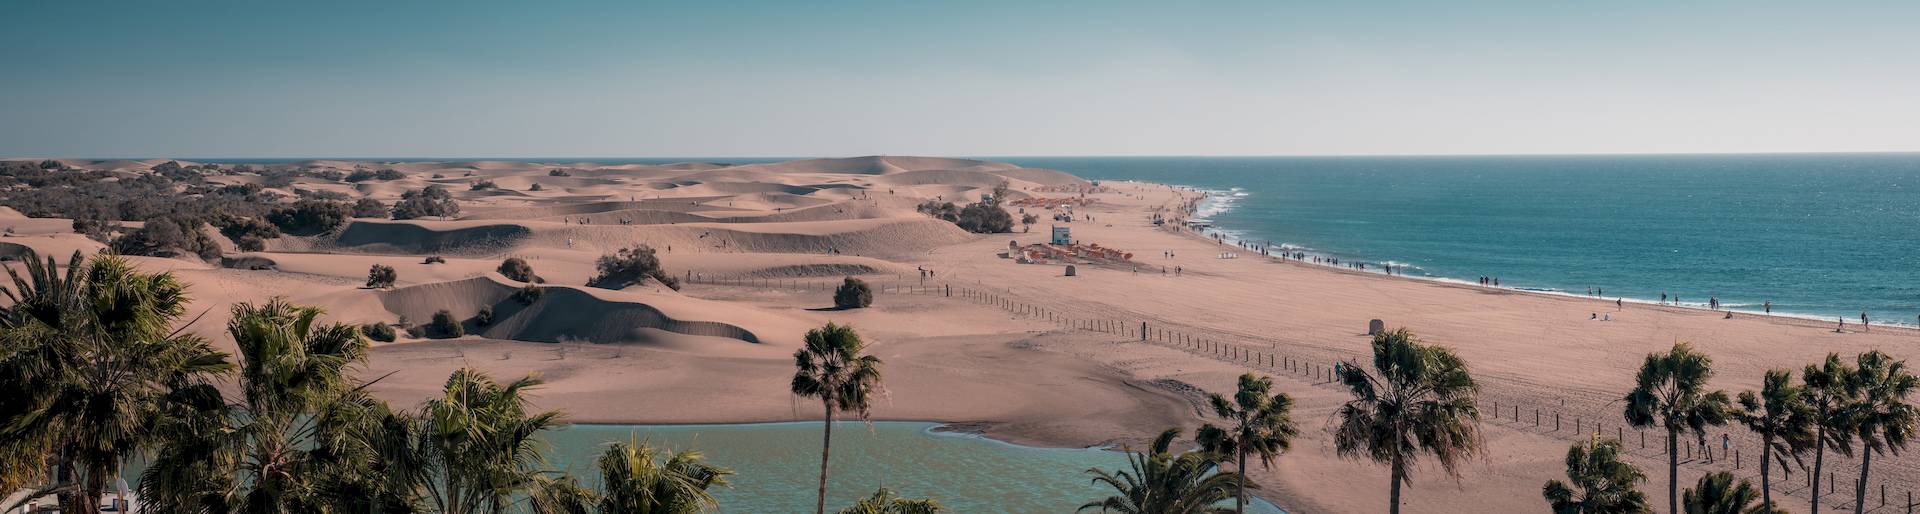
(1673, 470)
(1240, 496)
(1819, 459)
(1860, 489)
(826, 443)
(1766, 478)
(1394, 493)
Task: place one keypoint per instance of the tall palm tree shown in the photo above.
(472, 449)
(1671, 392)
(638, 478)
(1258, 422)
(272, 449)
(1160, 482)
(884, 501)
(91, 363)
(833, 367)
(1828, 394)
(1419, 400)
(1780, 414)
(1719, 493)
(1601, 483)
(1883, 420)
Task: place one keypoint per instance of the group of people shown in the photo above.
(1490, 281)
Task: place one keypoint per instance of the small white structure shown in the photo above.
(1062, 235)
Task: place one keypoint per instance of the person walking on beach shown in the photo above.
(1663, 298)
(1863, 322)
(1619, 304)
(1768, 306)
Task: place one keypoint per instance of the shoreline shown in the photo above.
(1203, 234)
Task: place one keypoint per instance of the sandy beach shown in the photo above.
(1047, 359)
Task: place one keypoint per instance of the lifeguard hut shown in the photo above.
(1062, 235)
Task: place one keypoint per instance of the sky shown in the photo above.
(268, 78)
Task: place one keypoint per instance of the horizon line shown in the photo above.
(534, 158)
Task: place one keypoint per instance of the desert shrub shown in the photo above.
(483, 185)
(1029, 219)
(434, 259)
(444, 326)
(529, 294)
(556, 172)
(310, 216)
(420, 203)
(416, 332)
(484, 317)
(946, 211)
(381, 276)
(534, 187)
(322, 194)
(984, 218)
(437, 175)
(369, 208)
(95, 228)
(51, 164)
(517, 269)
(377, 331)
(630, 266)
(384, 174)
(853, 294)
(250, 243)
(236, 228)
(169, 236)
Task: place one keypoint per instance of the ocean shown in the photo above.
(1818, 235)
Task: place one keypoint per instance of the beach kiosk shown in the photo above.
(1061, 236)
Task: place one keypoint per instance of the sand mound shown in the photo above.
(1040, 176)
(563, 313)
(943, 177)
(418, 237)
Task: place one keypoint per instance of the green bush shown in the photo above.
(381, 276)
(517, 269)
(421, 203)
(168, 236)
(444, 326)
(529, 294)
(484, 317)
(369, 208)
(434, 259)
(853, 294)
(631, 266)
(377, 331)
(307, 217)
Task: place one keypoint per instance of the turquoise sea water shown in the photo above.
(1817, 234)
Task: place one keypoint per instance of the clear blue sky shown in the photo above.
(260, 78)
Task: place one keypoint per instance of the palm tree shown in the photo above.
(1883, 420)
(1718, 493)
(273, 449)
(1827, 392)
(1259, 422)
(1780, 414)
(1670, 392)
(90, 363)
(473, 448)
(1601, 482)
(1160, 482)
(832, 366)
(1420, 402)
(884, 501)
(637, 478)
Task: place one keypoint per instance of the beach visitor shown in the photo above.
(1663, 298)
(1768, 306)
(1593, 316)
(1619, 304)
(1863, 322)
